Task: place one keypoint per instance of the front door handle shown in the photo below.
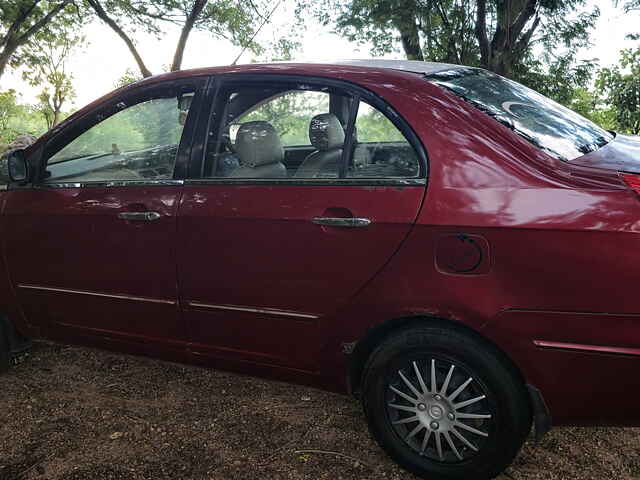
(139, 216)
(342, 222)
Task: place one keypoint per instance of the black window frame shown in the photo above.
(134, 95)
(222, 82)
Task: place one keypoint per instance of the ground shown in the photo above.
(77, 413)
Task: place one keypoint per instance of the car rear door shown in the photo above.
(265, 255)
(90, 246)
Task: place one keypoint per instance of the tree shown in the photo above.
(129, 76)
(8, 109)
(590, 105)
(516, 23)
(498, 35)
(233, 21)
(629, 5)
(24, 20)
(47, 61)
(621, 87)
(556, 76)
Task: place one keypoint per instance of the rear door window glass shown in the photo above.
(380, 149)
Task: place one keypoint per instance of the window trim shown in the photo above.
(69, 132)
(351, 89)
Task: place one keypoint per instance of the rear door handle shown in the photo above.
(139, 216)
(342, 222)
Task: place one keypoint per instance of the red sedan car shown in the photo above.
(452, 247)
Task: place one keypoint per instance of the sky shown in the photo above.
(97, 67)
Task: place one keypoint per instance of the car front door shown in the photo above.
(272, 241)
(90, 244)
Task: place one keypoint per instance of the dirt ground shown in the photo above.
(77, 413)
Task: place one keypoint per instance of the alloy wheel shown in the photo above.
(439, 410)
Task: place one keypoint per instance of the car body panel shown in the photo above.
(250, 247)
(122, 272)
(621, 154)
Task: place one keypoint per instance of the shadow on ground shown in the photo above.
(71, 413)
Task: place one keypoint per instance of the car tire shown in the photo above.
(5, 350)
(473, 428)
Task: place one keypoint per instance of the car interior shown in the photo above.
(285, 132)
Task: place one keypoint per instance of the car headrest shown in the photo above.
(326, 132)
(257, 143)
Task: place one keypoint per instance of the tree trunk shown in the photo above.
(97, 7)
(501, 54)
(481, 33)
(409, 36)
(5, 56)
(195, 12)
(411, 45)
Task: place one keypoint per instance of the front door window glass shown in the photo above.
(139, 142)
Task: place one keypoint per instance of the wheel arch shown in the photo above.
(377, 334)
(380, 332)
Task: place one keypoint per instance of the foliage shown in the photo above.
(291, 114)
(235, 21)
(129, 76)
(556, 77)
(629, 5)
(373, 126)
(145, 125)
(591, 106)
(8, 109)
(621, 88)
(527, 40)
(47, 61)
(16, 119)
(30, 21)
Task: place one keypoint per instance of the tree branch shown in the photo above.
(525, 15)
(195, 12)
(97, 7)
(525, 39)
(17, 23)
(42, 22)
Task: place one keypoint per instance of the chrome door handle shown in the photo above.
(342, 222)
(139, 216)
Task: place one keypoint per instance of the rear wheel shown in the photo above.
(445, 405)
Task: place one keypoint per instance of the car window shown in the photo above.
(548, 125)
(290, 114)
(381, 150)
(278, 131)
(299, 131)
(138, 142)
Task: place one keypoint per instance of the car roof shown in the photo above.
(414, 66)
(407, 66)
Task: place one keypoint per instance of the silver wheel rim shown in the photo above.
(443, 416)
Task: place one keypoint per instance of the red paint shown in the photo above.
(272, 256)
(73, 239)
(632, 180)
(560, 244)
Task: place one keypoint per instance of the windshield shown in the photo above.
(548, 125)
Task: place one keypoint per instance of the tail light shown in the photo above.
(632, 180)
